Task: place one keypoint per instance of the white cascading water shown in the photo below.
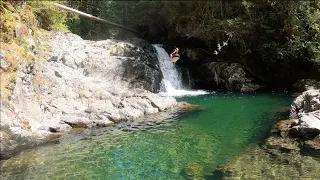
(171, 84)
(171, 77)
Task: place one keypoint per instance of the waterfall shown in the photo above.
(171, 77)
(171, 83)
(190, 81)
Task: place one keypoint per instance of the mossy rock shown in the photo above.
(186, 107)
(282, 128)
(313, 145)
(193, 171)
(283, 144)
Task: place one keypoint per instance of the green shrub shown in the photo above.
(49, 16)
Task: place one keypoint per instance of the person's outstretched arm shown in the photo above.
(175, 51)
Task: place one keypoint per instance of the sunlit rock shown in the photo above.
(308, 101)
(82, 85)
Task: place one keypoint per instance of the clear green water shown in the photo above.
(190, 147)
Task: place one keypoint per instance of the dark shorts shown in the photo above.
(176, 55)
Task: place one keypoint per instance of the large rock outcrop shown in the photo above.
(79, 84)
(132, 64)
(307, 102)
(306, 112)
(230, 76)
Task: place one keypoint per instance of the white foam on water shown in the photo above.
(171, 84)
(179, 93)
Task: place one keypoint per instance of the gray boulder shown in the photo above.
(306, 110)
(307, 125)
(308, 101)
(310, 120)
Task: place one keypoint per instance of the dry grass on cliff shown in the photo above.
(19, 35)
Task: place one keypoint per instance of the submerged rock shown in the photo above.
(186, 107)
(261, 163)
(193, 170)
(291, 135)
(312, 145)
(4, 64)
(282, 128)
(283, 144)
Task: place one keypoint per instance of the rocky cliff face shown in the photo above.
(229, 76)
(79, 84)
(132, 64)
(211, 73)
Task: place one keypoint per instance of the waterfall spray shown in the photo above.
(171, 83)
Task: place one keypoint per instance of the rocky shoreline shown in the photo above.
(80, 84)
(301, 132)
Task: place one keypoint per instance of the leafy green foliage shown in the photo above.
(127, 13)
(276, 39)
(288, 41)
(49, 16)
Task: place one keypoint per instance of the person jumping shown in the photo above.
(174, 56)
